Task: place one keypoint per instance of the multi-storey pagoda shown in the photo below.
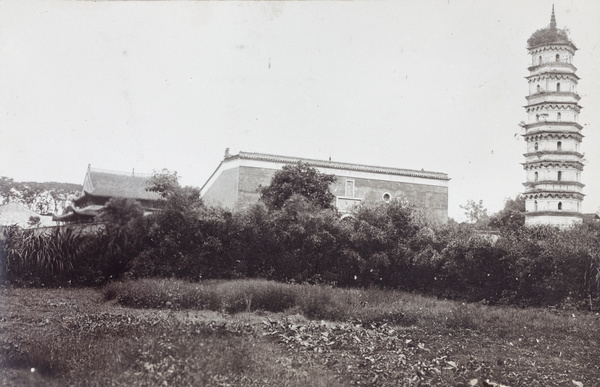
(553, 162)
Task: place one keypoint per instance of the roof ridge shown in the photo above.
(123, 173)
(345, 165)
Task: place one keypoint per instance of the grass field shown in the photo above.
(259, 333)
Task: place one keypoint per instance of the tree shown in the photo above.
(511, 217)
(176, 238)
(108, 252)
(164, 183)
(122, 213)
(6, 189)
(476, 213)
(299, 179)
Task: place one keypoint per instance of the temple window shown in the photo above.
(350, 188)
(560, 205)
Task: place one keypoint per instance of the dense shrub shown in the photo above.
(179, 240)
(388, 246)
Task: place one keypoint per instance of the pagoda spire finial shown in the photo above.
(553, 19)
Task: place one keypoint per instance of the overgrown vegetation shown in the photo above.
(57, 337)
(298, 179)
(319, 302)
(302, 241)
(549, 36)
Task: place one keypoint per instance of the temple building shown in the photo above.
(553, 161)
(235, 183)
(99, 186)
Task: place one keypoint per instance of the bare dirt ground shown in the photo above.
(73, 337)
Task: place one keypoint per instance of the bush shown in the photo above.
(252, 295)
(389, 246)
(163, 294)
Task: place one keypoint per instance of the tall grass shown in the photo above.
(369, 307)
(46, 256)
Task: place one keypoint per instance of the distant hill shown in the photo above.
(44, 198)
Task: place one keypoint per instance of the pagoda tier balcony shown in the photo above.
(557, 76)
(555, 164)
(552, 67)
(552, 97)
(550, 126)
(539, 194)
(554, 182)
(537, 135)
(557, 156)
(552, 46)
(555, 213)
(553, 186)
(544, 106)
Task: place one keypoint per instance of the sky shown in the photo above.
(421, 84)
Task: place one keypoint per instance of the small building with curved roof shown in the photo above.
(99, 186)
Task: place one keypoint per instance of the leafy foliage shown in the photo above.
(110, 250)
(176, 244)
(44, 198)
(299, 179)
(164, 182)
(511, 217)
(476, 213)
(549, 36)
(301, 240)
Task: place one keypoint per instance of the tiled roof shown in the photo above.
(118, 184)
(75, 213)
(339, 165)
(15, 213)
(591, 217)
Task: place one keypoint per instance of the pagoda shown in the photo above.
(553, 162)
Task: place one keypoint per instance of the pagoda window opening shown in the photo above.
(559, 145)
(559, 175)
(535, 177)
(538, 88)
(558, 116)
(535, 206)
(557, 57)
(560, 205)
(536, 146)
(540, 60)
(537, 117)
(558, 87)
